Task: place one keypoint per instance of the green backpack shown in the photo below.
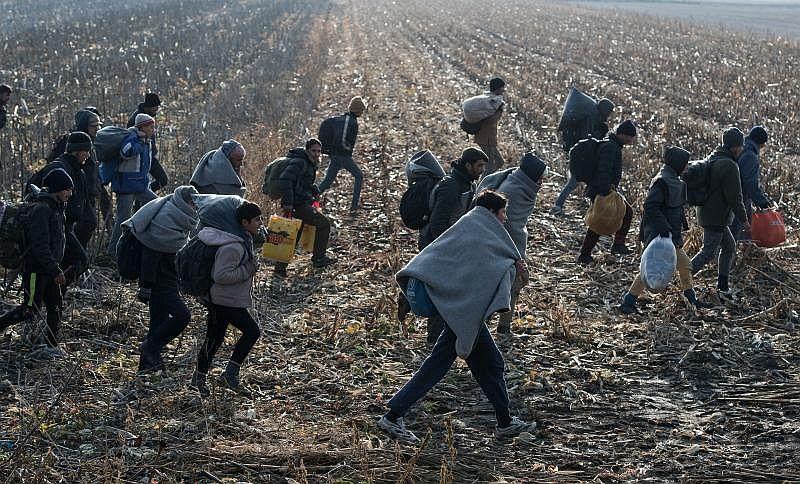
(271, 176)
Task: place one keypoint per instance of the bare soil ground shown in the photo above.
(665, 395)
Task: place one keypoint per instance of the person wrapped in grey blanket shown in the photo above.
(468, 273)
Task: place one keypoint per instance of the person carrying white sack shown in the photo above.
(664, 215)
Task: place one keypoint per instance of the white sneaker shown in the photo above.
(516, 427)
(397, 430)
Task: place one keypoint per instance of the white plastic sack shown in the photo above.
(478, 108)
(658, 264)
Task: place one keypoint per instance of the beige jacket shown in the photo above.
(234, 269)
(487, 135)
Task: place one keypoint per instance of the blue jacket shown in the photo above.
(750, 171)
(132, 174)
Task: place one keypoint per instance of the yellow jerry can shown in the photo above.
(281, 238)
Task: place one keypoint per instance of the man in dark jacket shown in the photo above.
(486, 137)
(41, 268)
(594, 126)
(450, 200)
(724, 201)
(5, 95)
(77, 151)
(298, 193)
(150, 106)
(607, 177)
(664, 216)
(341, 156)
(750, 173)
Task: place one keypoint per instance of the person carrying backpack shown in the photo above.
(298, 193)
(520, 186)
(219, 171)
(151, 106)
(664, 215)
(232, 273)
(467, 275)
(42, 273)
(486, 137)
(750, 172)
(724, 202)
(162, 226)
(131, 179)
(340, 151)
(607, 177)
(595, 126)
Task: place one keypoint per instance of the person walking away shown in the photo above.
(750, 173)
(595, 126)
(219, 171)
(341, 153)
(298, 193)
(724, 202)
(486, 137)
(520, 185)
(467, 274)
(234, 268)
(665, 216)
(607, 177)
(162, 226)
(131, 180)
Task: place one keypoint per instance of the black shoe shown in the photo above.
(323, 261)
(149, 358)
(620, 249)
(198, 383)
(280, 272)
(585, 259)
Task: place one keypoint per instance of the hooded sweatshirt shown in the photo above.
(233, 270)
(664, 209)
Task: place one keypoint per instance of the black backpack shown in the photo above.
(415, 207)
(13, 219)
(583, 159)
(330, 133)
(698, 182)
(271, 176)
(570, 136)
(470, 128)
(194, 264)
(129, 255)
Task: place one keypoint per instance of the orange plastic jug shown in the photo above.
(281, 238)
(768, 229)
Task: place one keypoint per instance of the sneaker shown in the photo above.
(198, 383)
(690, 300)
(585, 259)
(149, 358)
(323, 261)
(397, 430)
(49, 353)
(516, 427)
(628, 305)
(557, 210)
(726, 295)
(620, 249)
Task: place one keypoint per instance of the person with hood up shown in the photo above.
(467, 274)
(750, 173)
(219, 171)
(520, 186)
(665, 216)
(162, 226)
(42, 273)
(724, 202)
(231, 229)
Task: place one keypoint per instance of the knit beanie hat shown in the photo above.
(230, 146)
(471, 155)
(143, 119)
(78, 141)
(532, 166)
(605, 107)
(626, 127)
(151, 100)
(58, 180)
(85, 118)
(758, 134)
(357, 105)
(676, 157)
(732, 137)
(496, 84)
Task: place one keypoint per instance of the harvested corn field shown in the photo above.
(669, 394)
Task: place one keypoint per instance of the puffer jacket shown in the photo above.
(234, 268)
(132, 174)
(45, 235)
(450, 200)
(609, 167)
(160, 177)
(725, 194)
(296, 183)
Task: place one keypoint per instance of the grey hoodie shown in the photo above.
(234, 269)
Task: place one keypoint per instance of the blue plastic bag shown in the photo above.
(658, 264)
(418, 299)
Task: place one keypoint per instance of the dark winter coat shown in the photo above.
(91, 175)
(750, 171)
(158, 271)
(725, 192)
(664, 207)
(76, 206)
(296, 183)
(349, 137)
(45, 236)
(609, 167)
(2, 117)
(450, 200)
(160, 177)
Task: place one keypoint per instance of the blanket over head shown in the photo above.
(219, 212)
(214, 170)
(468, 272)
(521, 192)
(164, 224)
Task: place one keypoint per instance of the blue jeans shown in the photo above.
(570, 187)
(124, 208)
(337, 162)
(485, 362)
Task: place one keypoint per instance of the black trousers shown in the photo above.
(169, 316)
(219, 317)
(41, 290)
